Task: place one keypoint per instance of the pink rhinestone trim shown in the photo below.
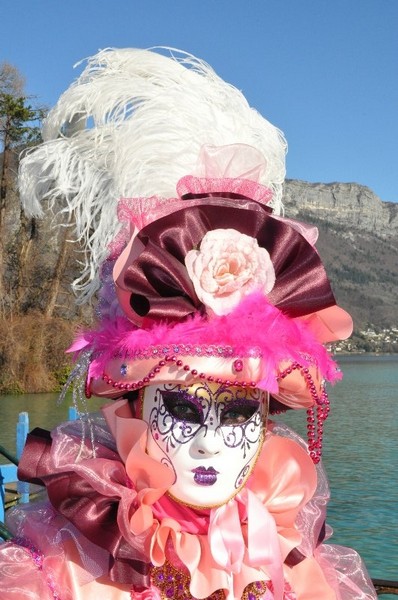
(186, 350)
(135, 385)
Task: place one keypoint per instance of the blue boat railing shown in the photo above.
(8, 471)
(8, 474)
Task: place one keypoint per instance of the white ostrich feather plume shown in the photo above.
(132, 125)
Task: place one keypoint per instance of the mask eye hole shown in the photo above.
(182, 408)
(237, 412)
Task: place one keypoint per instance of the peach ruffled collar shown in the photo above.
(246, 540)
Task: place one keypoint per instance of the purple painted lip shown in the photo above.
(205, 476)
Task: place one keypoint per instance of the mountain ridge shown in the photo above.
(342, 201)
(358, 242)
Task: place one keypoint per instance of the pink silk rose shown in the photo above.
(228, 266)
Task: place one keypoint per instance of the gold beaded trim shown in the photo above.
(255, 590)
(174, 585)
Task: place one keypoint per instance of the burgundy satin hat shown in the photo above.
(270, 340)
(153, 284)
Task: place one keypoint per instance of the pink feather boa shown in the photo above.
(254, 328)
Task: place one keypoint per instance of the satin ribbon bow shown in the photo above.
(228, 544)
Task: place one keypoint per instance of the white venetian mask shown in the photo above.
(210, 436)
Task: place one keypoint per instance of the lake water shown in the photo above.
(361, 459)
(360, 453)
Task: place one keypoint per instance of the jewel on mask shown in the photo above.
(238, 365)
(123, 370)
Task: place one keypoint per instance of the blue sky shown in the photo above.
(324, 71)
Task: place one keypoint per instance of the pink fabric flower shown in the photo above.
(228, 266)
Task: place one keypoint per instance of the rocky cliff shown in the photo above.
(358, 241)
(344, 205)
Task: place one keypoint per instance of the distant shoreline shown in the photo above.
(365, 355)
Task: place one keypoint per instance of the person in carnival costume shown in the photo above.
(213, 314)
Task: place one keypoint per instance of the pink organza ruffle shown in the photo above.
(230, 169)
(48, 558)
(284, 482)
(215, 185)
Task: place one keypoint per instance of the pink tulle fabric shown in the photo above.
(241, 187)
(54, 560)
(229, 169)
(234, 169)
